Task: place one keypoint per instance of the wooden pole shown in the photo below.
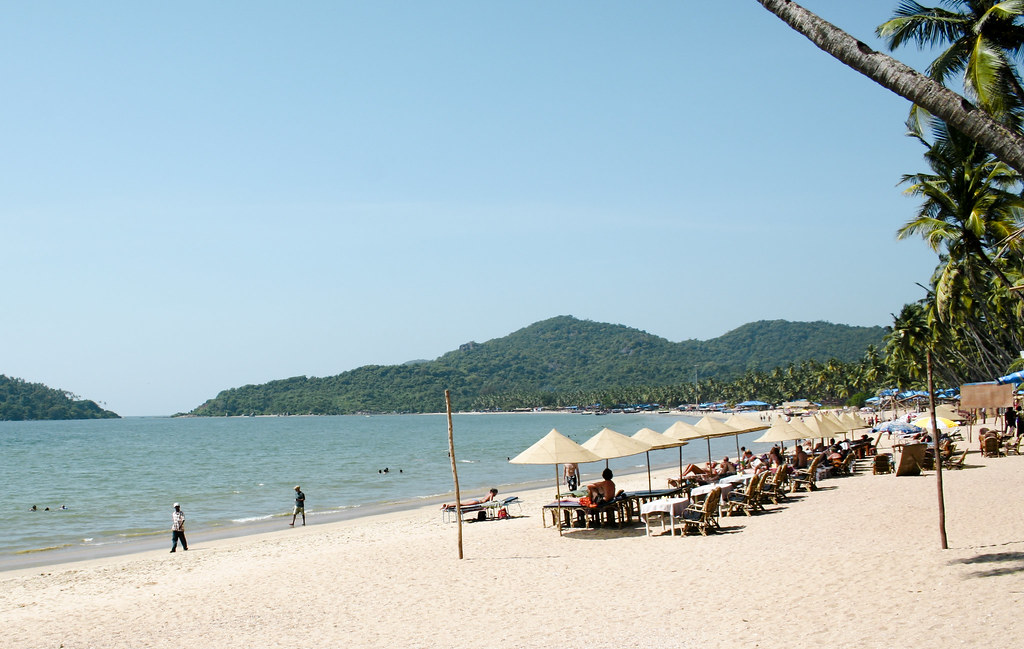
(455, 472)
(937, 458)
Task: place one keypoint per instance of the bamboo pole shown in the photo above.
(937, 458)
(455, 472)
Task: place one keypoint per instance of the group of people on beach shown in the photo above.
(178, 519)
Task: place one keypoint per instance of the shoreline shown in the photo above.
(74, 553)
(854, 564)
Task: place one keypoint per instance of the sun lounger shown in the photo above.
(882, 464)
(703, 516)
(490, 509)
(775, 489)
(607, 513)
(746, 500)
(956, 461)
(807, 478)
(909, 458)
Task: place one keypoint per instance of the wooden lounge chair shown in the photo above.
(746, 500)
(1012, 446)
(990, 446)
(776, 488)
(956, 461)
(845, 467)
(703, 516)
(807, 478)
(882, 464)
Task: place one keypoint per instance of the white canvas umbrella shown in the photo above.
(555, 448)
(658, 441)
(609, 444)
(743, 425)
(712, 427)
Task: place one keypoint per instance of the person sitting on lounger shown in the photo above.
(800, 459)
(603, 491)
(725, 468)
(466, 503)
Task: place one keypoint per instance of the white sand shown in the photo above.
(856, 564)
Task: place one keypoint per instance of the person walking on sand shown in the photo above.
(178, 529)
(572, 475)
(300, 506)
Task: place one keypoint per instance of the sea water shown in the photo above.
(119, 478)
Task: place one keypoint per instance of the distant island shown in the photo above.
(21, 401)
(559, 359)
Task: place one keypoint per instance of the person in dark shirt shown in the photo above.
(300, 506)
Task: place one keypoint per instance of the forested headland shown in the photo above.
(21, 400)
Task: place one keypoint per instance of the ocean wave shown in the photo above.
(46, 549)
(252, 519)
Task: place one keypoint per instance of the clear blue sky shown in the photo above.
(197, 196)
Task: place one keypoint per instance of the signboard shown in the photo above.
(985, 395)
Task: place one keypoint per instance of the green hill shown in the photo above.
(20, 400)
(556, 356)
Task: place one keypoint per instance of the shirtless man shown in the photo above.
(603, 491)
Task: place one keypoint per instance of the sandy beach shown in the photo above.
(855, 564)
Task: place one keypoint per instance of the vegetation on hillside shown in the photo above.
(20, 400)
(563, 361)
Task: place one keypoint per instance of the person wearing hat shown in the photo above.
(300, 506)
(178, 528)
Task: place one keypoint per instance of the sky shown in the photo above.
(198, 196)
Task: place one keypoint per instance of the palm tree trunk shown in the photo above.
(904, 81)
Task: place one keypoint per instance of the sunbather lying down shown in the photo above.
(466, 503)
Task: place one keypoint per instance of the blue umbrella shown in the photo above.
(897, 426)
(1016, 377)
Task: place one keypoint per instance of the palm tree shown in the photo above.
(1007, 144)
(981, 40)
(967, 212)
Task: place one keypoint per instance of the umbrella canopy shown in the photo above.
(683, 431)
(785, 431)
(656, 439)
(949, 412)
(609, 444)
(897, 426)
(852, 421)
(711, 427)
(941, 422)
(555, 448)
(744, 424)
(829, 422)
(1014, 378)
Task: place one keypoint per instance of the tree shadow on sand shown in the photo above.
(1002, 563)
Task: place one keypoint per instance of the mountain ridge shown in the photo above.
(559, 355)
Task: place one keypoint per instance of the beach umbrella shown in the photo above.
(713, 427)
(658, 441)
(949, 412)
(1016, 377)
(683, 431)
(852, 421)
(824, 427)
(555, 448)
(897, 426)
(743, 425)
(609, 444)
(941, 422)
(785, 431)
